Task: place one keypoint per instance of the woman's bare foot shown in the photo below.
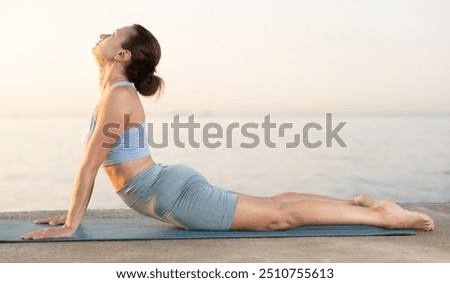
(399, 218)
(363, 200)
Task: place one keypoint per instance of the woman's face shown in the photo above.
(110, 45)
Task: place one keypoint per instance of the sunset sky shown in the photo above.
(236, 56)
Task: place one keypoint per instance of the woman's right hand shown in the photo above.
(53, 220)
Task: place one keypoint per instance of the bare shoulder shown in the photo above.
(119, 100)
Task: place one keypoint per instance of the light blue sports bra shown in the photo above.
(132, 144)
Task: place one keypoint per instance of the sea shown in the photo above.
(401, 157)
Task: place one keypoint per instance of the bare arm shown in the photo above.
(109, 127)
(83, 187)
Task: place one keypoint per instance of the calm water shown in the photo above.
(404, 158)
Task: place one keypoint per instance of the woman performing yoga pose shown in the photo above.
(178, 194)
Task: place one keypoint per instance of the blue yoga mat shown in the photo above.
(150, 229)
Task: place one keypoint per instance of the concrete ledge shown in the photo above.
(424, 247)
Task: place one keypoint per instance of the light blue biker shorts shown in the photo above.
(180, 195)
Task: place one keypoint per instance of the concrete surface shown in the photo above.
(424, 247)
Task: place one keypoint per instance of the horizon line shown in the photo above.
(226, 113)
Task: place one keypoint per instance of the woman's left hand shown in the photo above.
(49, 233)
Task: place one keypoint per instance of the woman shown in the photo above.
(175, 193)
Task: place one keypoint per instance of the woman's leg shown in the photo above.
(268, 214)
(361, 200)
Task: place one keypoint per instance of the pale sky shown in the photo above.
(236, 56)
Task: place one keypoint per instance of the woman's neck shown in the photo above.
(110, 74)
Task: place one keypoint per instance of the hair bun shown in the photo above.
(145, 54)
(150, 85)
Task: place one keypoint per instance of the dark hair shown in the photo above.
(145, 55)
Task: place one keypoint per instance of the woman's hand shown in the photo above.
(53, 220)
(49, 233)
